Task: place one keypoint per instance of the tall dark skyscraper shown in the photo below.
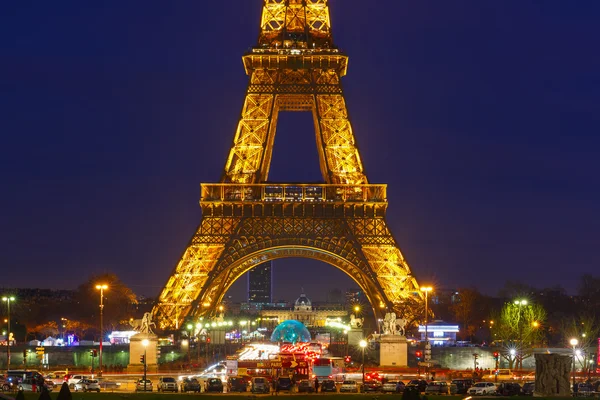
(260, 280)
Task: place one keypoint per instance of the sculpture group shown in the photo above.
(393, 325)
(144, 324)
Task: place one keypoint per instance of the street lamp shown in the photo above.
(520, 303)
(427, 352)
(363, 344)
(145, 343)
(189, 328)
(574, 342)
(102, 288)
(8, 299)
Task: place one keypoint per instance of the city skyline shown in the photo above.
(489, 148)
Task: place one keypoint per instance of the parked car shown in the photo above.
(73, 379)
(372, 386)
(87, 385)
(167, 384)
(501, 374)
(284, 384)
(585, 389)
(437, 387)
(237, 384)
(306, 386)
(328, 385)
(108, 384)
(462, 385)
(393, 387)
(528, 389)
(260, 385)
(58, 377)
(48, 384)
(143, 385)
(190, 385)
(214, 385)
(508, 389)
(420, 384)
(7, 384)
(28, 385)
(349, 386)
(482, 388)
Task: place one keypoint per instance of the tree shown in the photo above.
(469, 309)
(118, 300)
(585, 329)
(519, 328)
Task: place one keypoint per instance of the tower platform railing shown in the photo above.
(292, 193)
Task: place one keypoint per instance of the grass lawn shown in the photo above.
(249, 396)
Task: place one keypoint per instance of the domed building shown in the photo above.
(290, 331)
(304, 312)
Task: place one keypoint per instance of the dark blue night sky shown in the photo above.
(483, 118)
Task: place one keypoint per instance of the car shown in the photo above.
(260, 385)
(167, 384)
(284, 384)
(31, 385)
(58, 377)
(528, 388)
(190, 385)
(143, 385)
(349, 386)
(328, 385)
(420, 384)
(482, 388)
(214, 385)
(237, 384)
(7, 384)
(73, 379)
(437, 387)
(108, 384)
(393, 387)
(501, 374)
(508, 389)
(585, 389)
(49, 384)
(87, 385)
(306, 386)
(461, 385)
(372, 385)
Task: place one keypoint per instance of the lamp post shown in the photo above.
(8, 299)
(102, 288)
(427, 352)
(363, 344)
(189, 330)
(574, 342)
(145, 343)
(520, 303)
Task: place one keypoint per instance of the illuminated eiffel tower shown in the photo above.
(247, 220)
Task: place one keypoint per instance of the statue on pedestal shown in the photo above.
(393, 325)
(356, 323)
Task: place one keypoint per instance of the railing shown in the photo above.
(293, 193)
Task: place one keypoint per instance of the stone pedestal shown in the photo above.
(136, 350)
(393, 351)
(552, 375)
(355, 335)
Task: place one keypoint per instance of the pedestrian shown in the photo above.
(316, 385)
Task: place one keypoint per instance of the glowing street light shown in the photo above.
(145, 343)
(8, 300)
(520, 303)
(102, 288)
(363, 344)
(574, 342)
(427, 351)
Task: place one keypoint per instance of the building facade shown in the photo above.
(260, 284)
(304, 312)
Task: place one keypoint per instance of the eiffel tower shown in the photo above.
(247, 220)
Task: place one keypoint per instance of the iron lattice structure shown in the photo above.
(247, 221)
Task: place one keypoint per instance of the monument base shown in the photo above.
(393, 351)
(355, 335)
(142, 344)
